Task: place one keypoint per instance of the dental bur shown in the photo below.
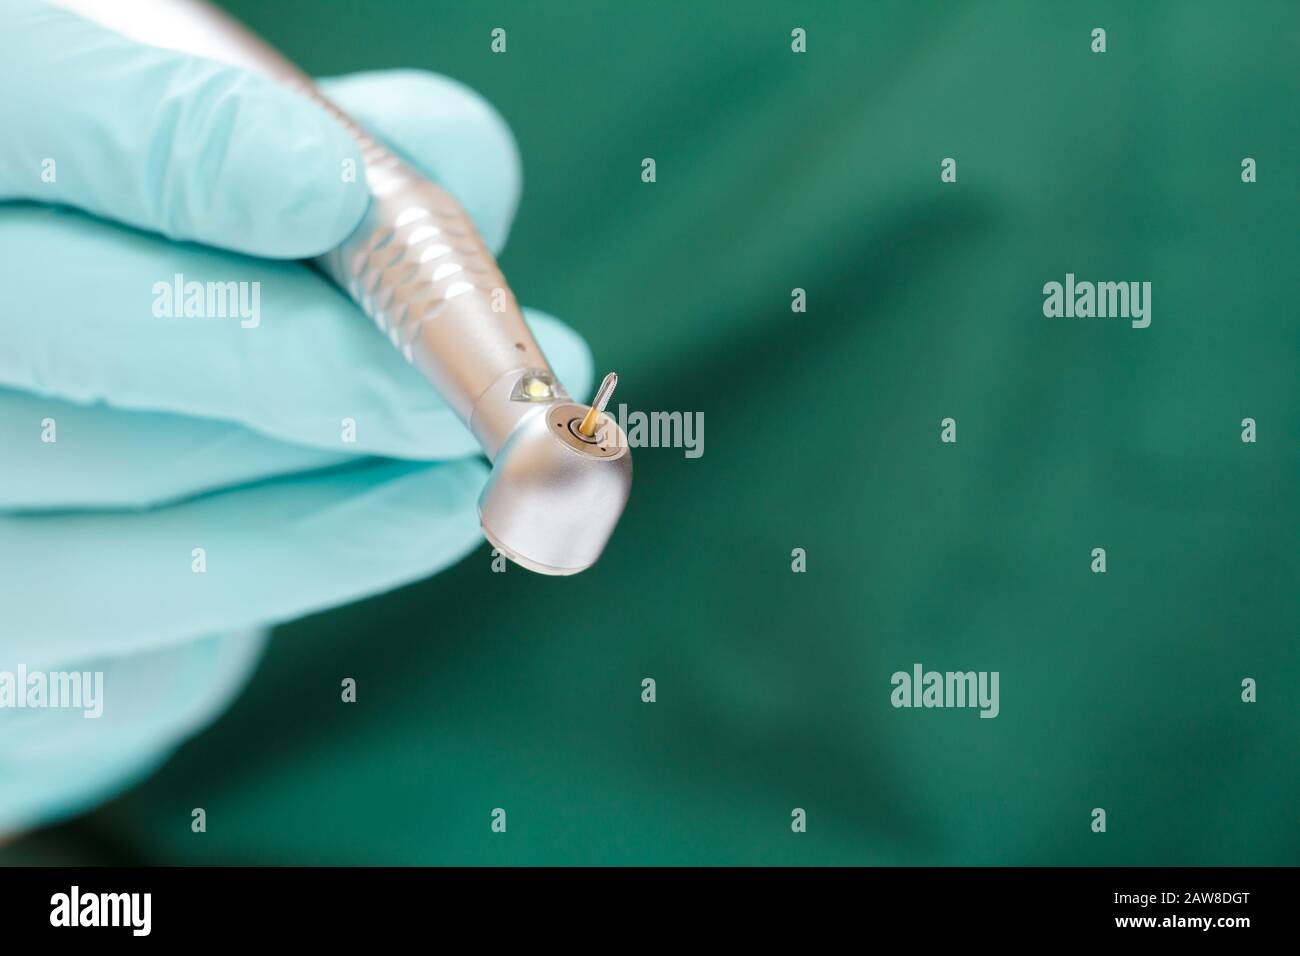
(561, 471)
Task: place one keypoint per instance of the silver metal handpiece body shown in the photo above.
(417, 266)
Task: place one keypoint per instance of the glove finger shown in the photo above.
(55, 762)
(138, 459)
(256, 555)
(167, 142)
(302, 362)
(448, 132)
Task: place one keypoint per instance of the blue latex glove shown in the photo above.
(175, 434)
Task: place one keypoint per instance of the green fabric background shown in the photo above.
(775, 170)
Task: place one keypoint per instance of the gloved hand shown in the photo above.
(121, 167)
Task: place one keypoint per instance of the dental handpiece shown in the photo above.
(561, 471)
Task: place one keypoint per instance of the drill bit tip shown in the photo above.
(588, 426)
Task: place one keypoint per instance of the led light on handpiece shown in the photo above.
(535, 386)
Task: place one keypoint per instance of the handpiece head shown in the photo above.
(558, 486)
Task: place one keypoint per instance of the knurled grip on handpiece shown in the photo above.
(417, 266)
